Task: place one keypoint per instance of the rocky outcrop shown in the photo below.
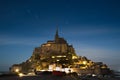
(58, 52)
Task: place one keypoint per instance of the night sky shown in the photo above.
(91, 26)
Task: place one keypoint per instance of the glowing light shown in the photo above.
(53, 56)
(60, 56)
(74, 57)
(42, 70)
(30, 74)
(58, 60)
(48, 44)
(72, 70)
(67, 70)
(93, 75)
(29, 60)
(63, 70)
(21, 74)
(17, 70)
(58, 69)
(50, 70)
(104, 66)
(84, 62)
(83, 67)
(52, 67)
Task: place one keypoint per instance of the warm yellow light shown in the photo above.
(84, 62)
(74, 57)
(60, 56)
(30, 74)
(48, 44)
(42, 70)
(53, 56)
(103, 67)
(29, 60)
(64, 56)
(66, 59)
(16, 70)
(58, 60)
(38, 68)
(82, 67)
(21, 74)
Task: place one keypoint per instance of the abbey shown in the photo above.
(57, 46)
(58, 53)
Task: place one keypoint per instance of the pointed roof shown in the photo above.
(57, 31)
(56, 35)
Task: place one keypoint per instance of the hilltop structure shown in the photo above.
(58, 53)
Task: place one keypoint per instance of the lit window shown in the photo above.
(53, 56)
(17, 70)
(58, 60)
(74, 57)
(84, 62)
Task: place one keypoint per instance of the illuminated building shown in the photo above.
(56, 51)
(58, 54)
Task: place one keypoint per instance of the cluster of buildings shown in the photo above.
(57, 54)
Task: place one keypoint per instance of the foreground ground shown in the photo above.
(51, 77)
(39, 78)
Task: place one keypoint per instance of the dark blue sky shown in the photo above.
(91, 26)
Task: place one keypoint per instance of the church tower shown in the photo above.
(56, 36)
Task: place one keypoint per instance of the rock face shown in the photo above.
(53, 51)
(60, 53)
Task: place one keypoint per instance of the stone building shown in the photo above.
(57, 50)
(60, 53)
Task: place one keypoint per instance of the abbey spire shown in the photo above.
(56, 35)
